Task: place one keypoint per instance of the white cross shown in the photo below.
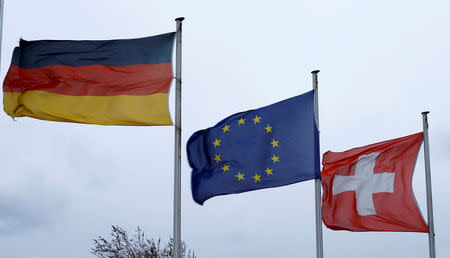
(365, 183)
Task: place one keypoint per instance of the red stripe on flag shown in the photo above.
(92, 80)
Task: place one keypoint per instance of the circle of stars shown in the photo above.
(226, 167)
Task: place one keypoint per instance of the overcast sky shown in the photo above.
(382, 63)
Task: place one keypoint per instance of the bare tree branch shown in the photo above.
(137, 246)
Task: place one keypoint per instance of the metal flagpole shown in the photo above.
(318, 185)
(2, 7)
(177, 157)
(426, 146)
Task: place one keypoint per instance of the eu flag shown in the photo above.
(267, 147)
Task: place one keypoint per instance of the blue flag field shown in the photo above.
(267, 147)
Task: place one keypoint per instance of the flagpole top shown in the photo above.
(425, 112)
(315, 71)
(180, 19)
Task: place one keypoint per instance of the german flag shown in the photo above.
(110, 82)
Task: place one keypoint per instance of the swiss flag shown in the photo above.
(370, 188)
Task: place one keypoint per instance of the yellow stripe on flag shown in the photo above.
(104, 110)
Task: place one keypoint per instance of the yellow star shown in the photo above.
(216, 143)
(241, 121)
(226, 168)
(240, 176)
(257, 177)
(275, 158)
(257, 119)
(269, 171)
(217, 158)
(274, 143)
(268, 129)
(226, 128)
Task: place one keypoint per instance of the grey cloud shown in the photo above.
(29, 208)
